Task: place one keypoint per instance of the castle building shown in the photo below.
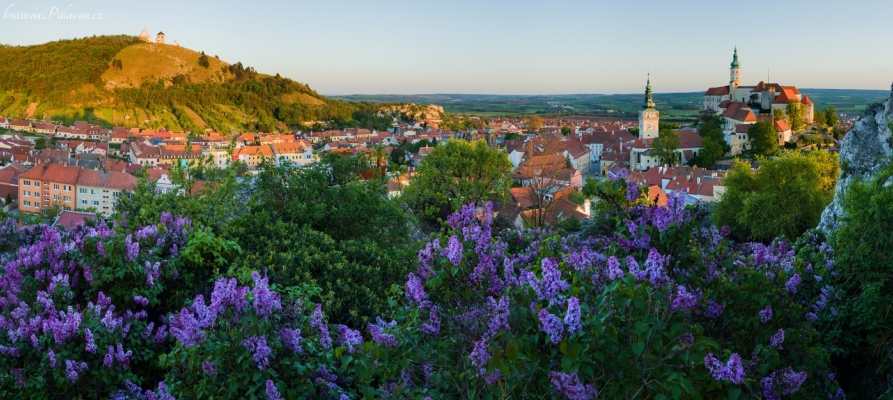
(144, 35)
(159, 39)
(762, 98)
(741, 106)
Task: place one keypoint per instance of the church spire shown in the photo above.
(649, 103)
(735, 63)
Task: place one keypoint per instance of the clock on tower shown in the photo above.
(649, 117)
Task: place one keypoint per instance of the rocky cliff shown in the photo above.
(863, 149)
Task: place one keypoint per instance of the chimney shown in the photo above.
(587, 208)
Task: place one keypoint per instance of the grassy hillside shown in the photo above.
(119, 80)
(149, 61)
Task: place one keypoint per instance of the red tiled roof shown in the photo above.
(70, 219)
(110, 180)
(56, 173)
(717, 91)
(781, 126)
(806, 100)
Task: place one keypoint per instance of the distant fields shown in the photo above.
(673, 106)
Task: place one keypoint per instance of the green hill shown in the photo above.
(119, 80)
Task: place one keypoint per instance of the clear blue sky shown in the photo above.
(506, 47)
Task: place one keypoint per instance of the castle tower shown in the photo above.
(734, 76)
(649, 117)
(160, 38)
(144, 35)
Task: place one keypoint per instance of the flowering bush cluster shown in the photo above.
(664, 307)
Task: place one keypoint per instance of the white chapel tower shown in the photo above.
(649, 117)
(734, 76)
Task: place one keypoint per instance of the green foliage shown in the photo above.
(54, 70)
(831, 117)
(665, 146)
(763, 138)
(784, 198)
(566, 130)
(590, 188)
(865, 264)
(535, 123)
(795, 112)
(458, 173)
(820, 118)
(203, 61)
(577, 198)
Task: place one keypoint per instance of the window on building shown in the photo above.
(94, 191)
(82, 190)
(95, 202)
(27, 193)
(116, 194)
(84, 202)
(55, 197)
(27, 203)
(37, 194)
(27, 183)
(67, 198)
(55, 186)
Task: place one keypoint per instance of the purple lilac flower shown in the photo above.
(20, 376)
(350, 337)
(725, 230)
(209, 368)
(768, 388)
(683, 299)
(791, 381)
(615, 177)
(91, 343)
(632, 190)
(732, 371)
(122, 357)
(766, 314)
(432, 327)
(777, 339)
(291, 339)
(499, 314)
(228, 295)
(714, 310)
(316, 322)
(613, 269)
(379, 336)
(426, 257)
(109, 360)
(572, 318)
(131, 248)
(570, 386)
(453, 251)
(142, 301)
(686, 340)
(811, 316)
(186, 328)
(52, 357)
(792, 284)
(551, 325)
(551, 283)
(265, 300)
(272, 391)
(101, 250)
(655, 268)
(71, 370)
(479, 355)
(415, 292)
(257, 345)
(492, 378)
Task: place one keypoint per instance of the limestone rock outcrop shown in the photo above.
(862, 153)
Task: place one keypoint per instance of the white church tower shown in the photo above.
(734, 77)
(649, 117)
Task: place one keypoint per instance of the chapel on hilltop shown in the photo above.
(159, 38)
(742, 106)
